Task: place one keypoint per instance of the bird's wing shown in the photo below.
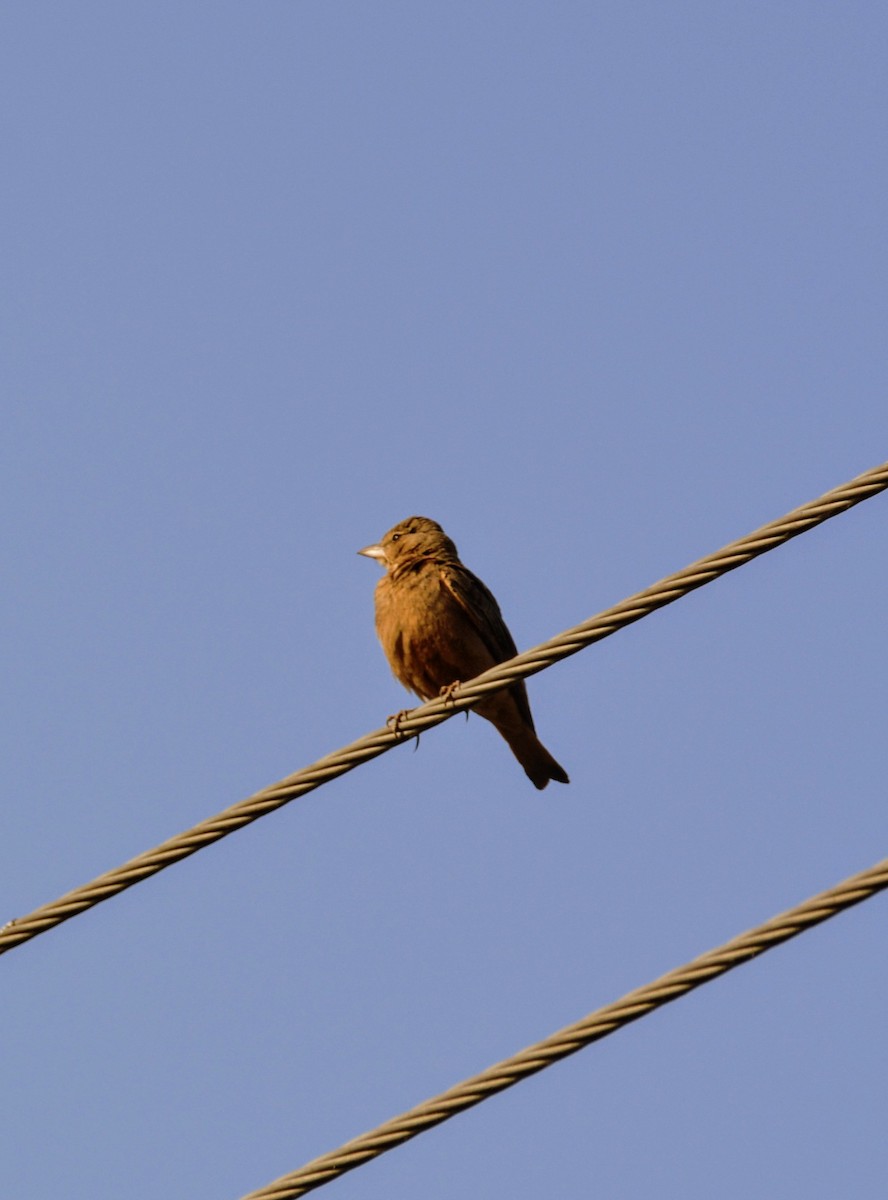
(481, 608)
(479, 605)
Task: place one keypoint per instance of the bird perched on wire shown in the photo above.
(439, 625)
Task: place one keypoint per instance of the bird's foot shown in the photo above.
(446, 694)
(394, 722)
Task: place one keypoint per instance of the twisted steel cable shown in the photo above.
(426, 716)
(575, 1037)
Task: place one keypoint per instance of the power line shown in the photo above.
(660, 594)
(575, 1037)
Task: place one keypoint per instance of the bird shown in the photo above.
(439, 625)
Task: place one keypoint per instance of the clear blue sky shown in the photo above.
(600, 287)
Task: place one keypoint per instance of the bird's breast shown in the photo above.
(427, 638)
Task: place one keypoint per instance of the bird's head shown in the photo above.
(409, 541)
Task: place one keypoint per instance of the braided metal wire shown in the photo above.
(426, 716)
(575, 1037)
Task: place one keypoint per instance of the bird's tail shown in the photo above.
(538, 763)
(515, 724)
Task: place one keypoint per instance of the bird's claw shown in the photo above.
(446, 694)
(394, 722)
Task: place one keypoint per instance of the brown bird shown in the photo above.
(439, 625)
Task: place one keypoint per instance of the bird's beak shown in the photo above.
(376, 552)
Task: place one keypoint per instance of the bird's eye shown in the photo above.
(395, 536)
